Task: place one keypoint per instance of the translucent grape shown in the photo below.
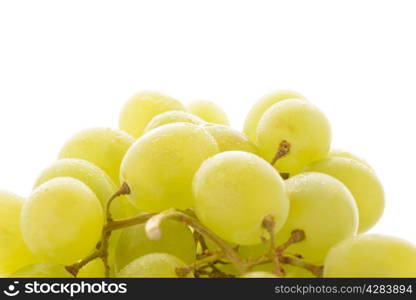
(363, 184)
(324, 209)
(172, 117)
(258, 109)
(229, 139)
(142, 107)
(239, 188)
(159, 167)
(14, 253)
(299, 123)
(341, 153)
(42, 270)
(208, 111)
(96, 179)
(154, 265)
(177, 239)
(371, 255)
(104, 147)
(94, 269)
(259, 274)
(62, 220)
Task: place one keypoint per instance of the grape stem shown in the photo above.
(184, 271)
(153, 232)
(284, 148)
(269, 224)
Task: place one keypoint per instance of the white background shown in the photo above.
(69, 65)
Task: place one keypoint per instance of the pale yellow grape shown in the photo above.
(229, 139)
(342, 153)
(154, 265)
(259, 108)
(371, 255)
(160, 165)
(259, 274)
(142, 107)
(324, 209)
(299, 123)
(177, 239)
(62, 220)
(42, 270)
(363, 184)
(96, 179)
(234, 191)
(104, 147)
(94, 269)
(14, 253)
(208, 111)
(172, 117)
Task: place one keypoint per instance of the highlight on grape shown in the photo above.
(176, 192)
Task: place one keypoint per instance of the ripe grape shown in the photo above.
(172, 117)
(300, 124)
(363, 184)
(324, 209)
(62, 220)
(14, 253)
(42, 270)
(241, 189)
(371, 255)
(259, 274)
(154, 265)
(208, 111)
(96, 179)
(142, 107)
(341, 153)
(160, 165)
(134, 243)
(259, 108)
(94, 269)
(229, 139)
(104, 147)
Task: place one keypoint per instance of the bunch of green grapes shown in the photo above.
(177, 192)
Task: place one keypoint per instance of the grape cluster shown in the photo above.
(176, 192)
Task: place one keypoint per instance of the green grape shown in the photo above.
(324, 209)
(254, 252)
(234, 191)
(363, 184)
(96, 179)
(371, 255)
(229, 139)
(104, 147)
(62, 220)
(42, 270)
(94, 269)
(299, 123)
(208, 111)
(260, 107)
(172, 117)
(14, 253)
(159, 167)
(176, 239)
(154, 265)
(259, 274)
(296, 272)
(341, 153)
(142, 107)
